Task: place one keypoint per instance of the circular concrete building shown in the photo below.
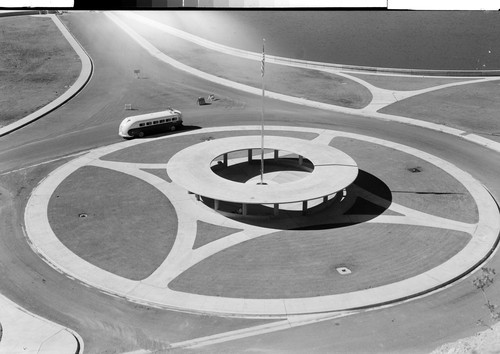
(301, 172)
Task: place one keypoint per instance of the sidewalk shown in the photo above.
(73, 90)
(24, 332)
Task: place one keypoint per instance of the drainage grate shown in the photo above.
(343, 270)
(415, 169)
(82, 215)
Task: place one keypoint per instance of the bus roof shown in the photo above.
(153, 115)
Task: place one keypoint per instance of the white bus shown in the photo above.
(138, 126)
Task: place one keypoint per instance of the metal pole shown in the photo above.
(262, 117)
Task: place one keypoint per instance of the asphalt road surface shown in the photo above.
(108, 324)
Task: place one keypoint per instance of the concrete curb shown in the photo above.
(73, 90)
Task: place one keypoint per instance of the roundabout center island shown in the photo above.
(225, 174)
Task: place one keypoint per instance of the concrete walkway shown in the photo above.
(72, 91)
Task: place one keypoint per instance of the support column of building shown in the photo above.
(276, 154)
(304, 207)
(224, 157)
(216, 204)
(276, 209)
(244, 209)
(249, 155)
(301, 160)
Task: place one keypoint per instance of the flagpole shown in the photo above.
(262, 116)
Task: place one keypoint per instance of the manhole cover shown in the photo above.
(82, 215)
(415, 169)
(343, 270)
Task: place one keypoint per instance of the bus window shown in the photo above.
(162, 121)
(168, 120)
(141, 124)
(148, 123)
(174, 119)
(155, 122)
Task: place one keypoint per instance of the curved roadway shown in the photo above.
(111, 324)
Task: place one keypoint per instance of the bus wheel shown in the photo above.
(172, 128)
(140, 134)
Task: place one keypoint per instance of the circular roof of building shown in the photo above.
(191, 169)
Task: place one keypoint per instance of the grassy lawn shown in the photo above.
(37, 65)
(289, 264)
(404, 83)
(324, 87)
(431, 190)
(128, 228)
(473, 108)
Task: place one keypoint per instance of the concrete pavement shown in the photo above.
(25, 332)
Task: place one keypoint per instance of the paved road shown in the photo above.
(109, 324)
